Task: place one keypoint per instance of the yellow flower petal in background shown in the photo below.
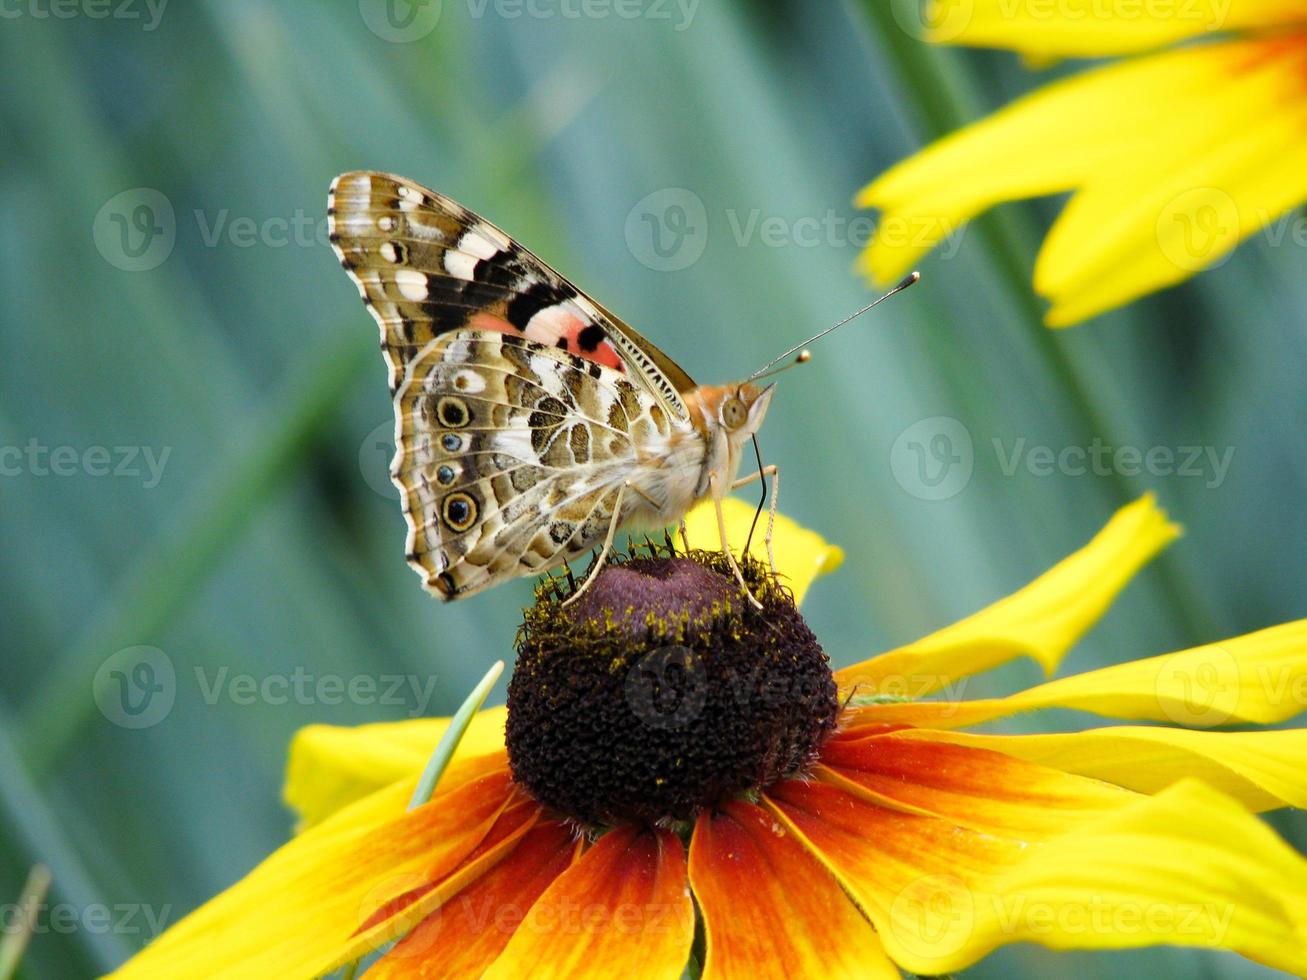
(801, 555)
(331, 766)
(1049, 141)
(1262, 770)
(1260, 677)
(1042, 620)
(1087, 28)
(1174, 158)
(1153, 217)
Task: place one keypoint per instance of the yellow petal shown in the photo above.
(1260, 678)
(331, 766)
(1072, 28)
(1218, 167)
(1043, 620)
(801, 555)
(1262, 770)
(354, 882)
(1187, 867)
(1050, 141)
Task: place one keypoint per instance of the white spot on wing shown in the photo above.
(470, 382)
(474, 243)
(412, 284)
(460, 265)
(516, 441)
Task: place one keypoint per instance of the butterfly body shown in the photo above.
(530, 423)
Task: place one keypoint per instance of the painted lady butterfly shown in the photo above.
(530, 423)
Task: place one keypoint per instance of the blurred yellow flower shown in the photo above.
(1172, 157)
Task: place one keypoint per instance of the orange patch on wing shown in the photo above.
(770, 909)
(492, 324)
(977, 788)
(469, 931)
(622, 910)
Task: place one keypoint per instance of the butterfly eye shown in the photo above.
(734, 413)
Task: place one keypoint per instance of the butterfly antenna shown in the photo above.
(799, 348)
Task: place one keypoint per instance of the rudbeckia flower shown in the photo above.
(679, 778)
(1172, 156)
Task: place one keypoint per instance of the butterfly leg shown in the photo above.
(774, 472)
(726, 545)
(603, 553)
(685, 537)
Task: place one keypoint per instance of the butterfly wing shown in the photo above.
(426, 266)
(521, 404)
(511, 454)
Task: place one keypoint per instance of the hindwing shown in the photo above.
(509, 455)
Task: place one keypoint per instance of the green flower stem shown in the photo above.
(448, 744)
(934, 84)
(14, 943)
(32, 828)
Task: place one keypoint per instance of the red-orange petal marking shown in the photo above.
(919, 879)
(466, 934)
(314, 893)
(770, 909)
(977, 788)
(622, 910)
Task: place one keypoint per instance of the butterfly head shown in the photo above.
(742, 408)
(727, 417)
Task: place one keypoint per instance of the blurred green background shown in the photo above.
(173, 315)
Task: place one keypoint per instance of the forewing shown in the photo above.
(426, 266)
(509, 455)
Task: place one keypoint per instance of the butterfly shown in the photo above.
(531, 424)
